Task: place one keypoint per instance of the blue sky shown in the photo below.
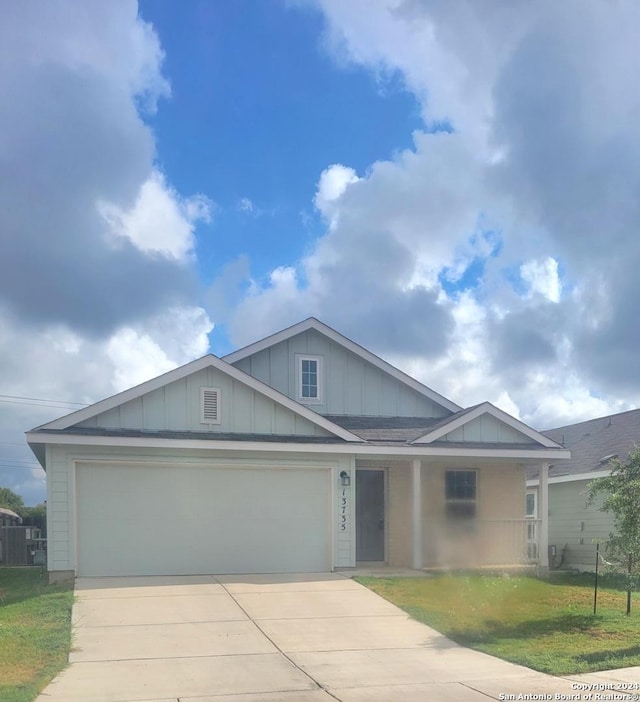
(452, 185)
(258, 110)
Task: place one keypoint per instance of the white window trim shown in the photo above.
(309, 400)
(203, 420)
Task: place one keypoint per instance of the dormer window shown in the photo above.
(309, 379)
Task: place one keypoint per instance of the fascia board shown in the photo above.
(41, 437)
(486, 408)
(571, 478)
(346, 343)
(193, 367)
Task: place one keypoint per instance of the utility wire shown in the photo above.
(17, 464)
(40, 402)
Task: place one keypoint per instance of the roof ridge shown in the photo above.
(589, 421)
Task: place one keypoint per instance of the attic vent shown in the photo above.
(209, 405)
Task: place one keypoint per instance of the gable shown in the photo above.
(355, 382)
(174, 402)
(485, 424)
(178, 407)
(486, 429)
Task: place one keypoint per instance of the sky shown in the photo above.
(455, 186)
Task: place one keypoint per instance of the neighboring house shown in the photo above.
(9, 518)
(575, 528)
(301, 452)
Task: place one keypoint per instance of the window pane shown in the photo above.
(531, 505)
(308, 378)
(460, 485)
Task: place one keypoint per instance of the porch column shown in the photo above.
(543, 507)
(416, 513)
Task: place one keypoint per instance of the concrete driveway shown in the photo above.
(275, 638)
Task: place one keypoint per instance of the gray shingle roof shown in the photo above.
(400, 429)
(594, 440)
(375, 431)
(194, 435)
(394, 429)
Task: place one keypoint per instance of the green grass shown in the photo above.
(35, 632)
(547, 625)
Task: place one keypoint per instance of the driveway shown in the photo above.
(275, 638)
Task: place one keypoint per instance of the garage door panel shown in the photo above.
(168, 520)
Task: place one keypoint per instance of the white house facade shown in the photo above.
(302, 452)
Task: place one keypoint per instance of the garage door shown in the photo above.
(178, 520)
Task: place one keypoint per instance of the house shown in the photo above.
(575, 528)
(301, 452)
(9, 518)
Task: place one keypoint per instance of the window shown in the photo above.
(309, 379)
(460, 494)
(531, 508)
(209, 406)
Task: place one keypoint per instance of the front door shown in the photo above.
(369, 515)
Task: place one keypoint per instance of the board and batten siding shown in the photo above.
(351, 385)
(61, 494)
(176, 407)
(60, 533)
(576, 526)
(487, 428)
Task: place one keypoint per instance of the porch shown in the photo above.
(425, 514)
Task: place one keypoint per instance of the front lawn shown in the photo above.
(35, 632)
(547, 625)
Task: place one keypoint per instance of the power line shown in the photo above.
(21, 400)
(7, 461)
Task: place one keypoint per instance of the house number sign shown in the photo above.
(343, 509)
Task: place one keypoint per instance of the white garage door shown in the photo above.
(178, 520)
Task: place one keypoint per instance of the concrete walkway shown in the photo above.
(287, 638)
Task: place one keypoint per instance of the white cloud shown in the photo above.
(161, 344)
(331, 186)
(160, 221)
(246, 205)
(542, 278)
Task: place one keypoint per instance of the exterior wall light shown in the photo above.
(345, 479)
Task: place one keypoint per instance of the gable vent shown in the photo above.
(209, 405)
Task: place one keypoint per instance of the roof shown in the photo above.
(317, 445)
(166, 378)
(365, 354)
(10, 513)
(400, 429)
(191, 435)
(594, 442)
(410, 436)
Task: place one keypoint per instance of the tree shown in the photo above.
(39, 510)
(620, 493)
(11, 501)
